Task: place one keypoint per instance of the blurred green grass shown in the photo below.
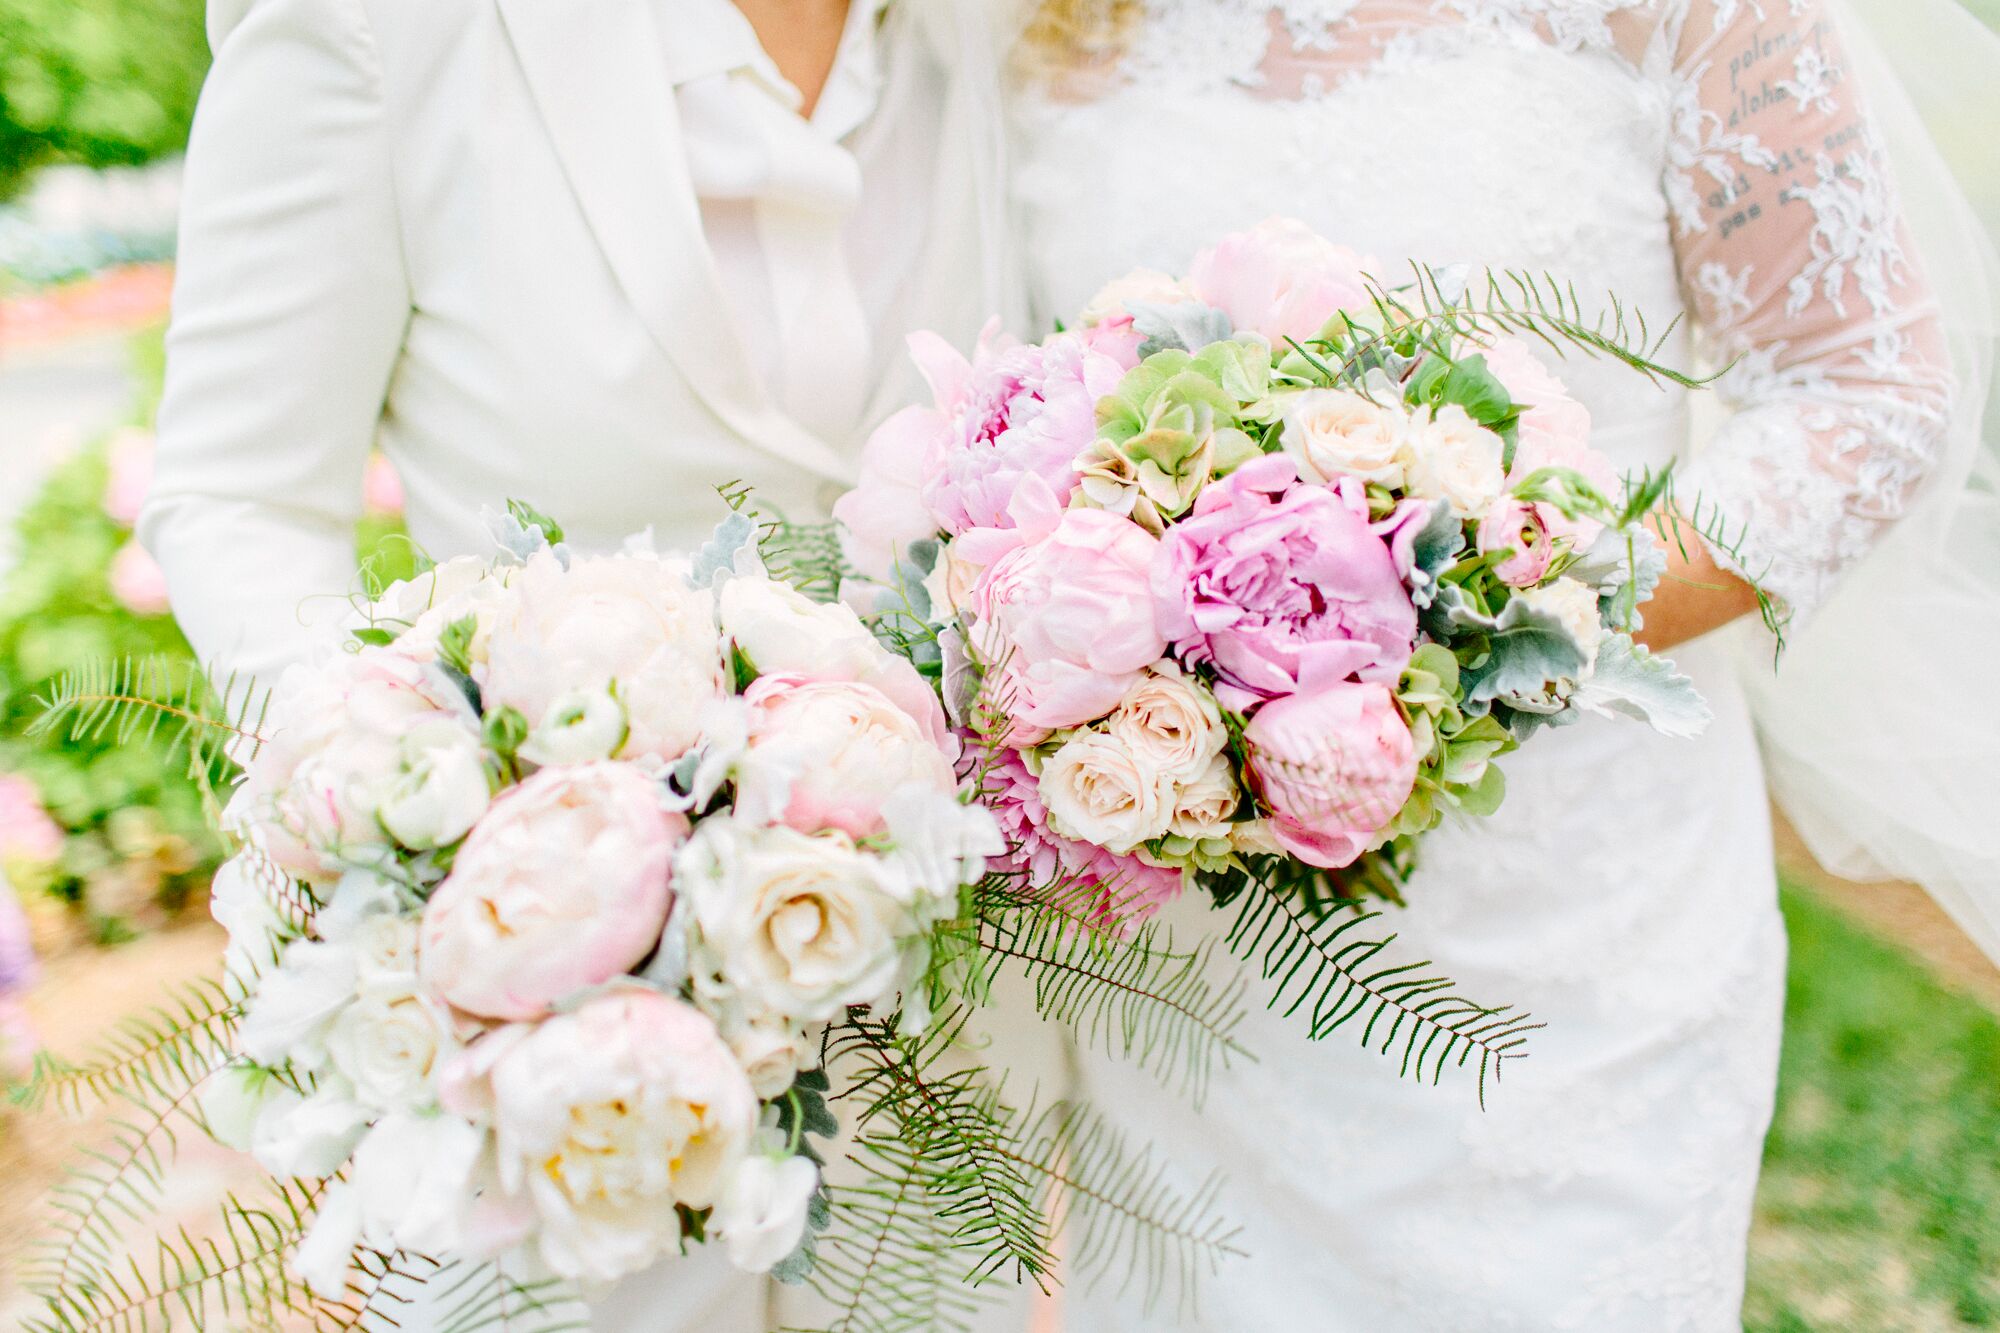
(1880, 1204)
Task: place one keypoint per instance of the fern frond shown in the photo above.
(472, 1298)
(1121, 1212)
(1133, 996)
(174, 1044)
(886, 1264)
(1318, 963)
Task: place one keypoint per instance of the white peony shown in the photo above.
(1170, 722)
(1099, 791)
(1575, 605)
(762, 1216)
(632, 621)
(418, 610)
(1203, 807)
(842, 750)
(443, 787)
(579, 727)
(390, 1050)
(607, 1117)
(1454, 458)
(1333, 433)
(795, 927)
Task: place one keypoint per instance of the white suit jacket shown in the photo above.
(465, 229)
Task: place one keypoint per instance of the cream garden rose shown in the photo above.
(794, 927)
(1334, 433)
(390, 1050)
(1099, 791)
(1203, 806)
(1455, 459)
(1575, 605)
(1171, 722)
(631, 620)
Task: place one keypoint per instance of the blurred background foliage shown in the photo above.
(97, 82)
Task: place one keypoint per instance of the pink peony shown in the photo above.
(843, 750)
(1554, 432)
(1011, 413)
(1064, 620)
(1271, 580)
(1335, 764)
(129, 464)
(27, 834)
(1280, 279)
(137, 581)
(885, 514)
(562, 886)
(1518, 530)
(1126, 887)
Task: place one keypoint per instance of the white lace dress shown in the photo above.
(1704, 157)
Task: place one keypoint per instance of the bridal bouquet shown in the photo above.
(1258, 572)
(551, 886)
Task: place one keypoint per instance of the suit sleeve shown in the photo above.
(290, 306)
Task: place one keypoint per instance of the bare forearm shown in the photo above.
(1696, 596)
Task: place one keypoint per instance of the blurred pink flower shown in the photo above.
(1335, 764)
(27, 833)
(1271, 580)
(137, 581)
(1520, 529)
(129, 465)
(1280, 279)
(382, 487)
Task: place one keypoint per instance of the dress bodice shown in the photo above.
(1695, 160)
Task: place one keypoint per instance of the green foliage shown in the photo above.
(1880, 1204)
(101, 82)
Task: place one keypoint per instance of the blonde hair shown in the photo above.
(1067, 35)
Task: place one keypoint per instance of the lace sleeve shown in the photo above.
(1798, 268)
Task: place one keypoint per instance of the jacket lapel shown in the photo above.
(596, 70)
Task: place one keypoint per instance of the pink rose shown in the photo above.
(1012, 413)
(129, 465)
(1124, 888)
(1065, 621)
(1335, 764)
(844, 749)
(137, 581)
(1280, 279)
(563, 885)
(1270, 580)
(1519, 531)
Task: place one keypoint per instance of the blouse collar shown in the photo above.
(713, 37)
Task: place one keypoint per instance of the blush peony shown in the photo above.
(1270, 581)
(564, 885)
(1335, 764)
(1280, 279)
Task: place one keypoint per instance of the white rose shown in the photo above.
(1332, 433)
(841, 749)
(385, 956)
(1454, 458)
(419, 609)
(1202, 807)
(1098, 791)
(390, 1050)
(762, 1216)
(607, 1117)
(1145, 285)
(444, 786)
(795, 927)
(579, 727)
(1170, 722)
(308, 1137)
(772, 1054)
(1575, 605)
(631, 620)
